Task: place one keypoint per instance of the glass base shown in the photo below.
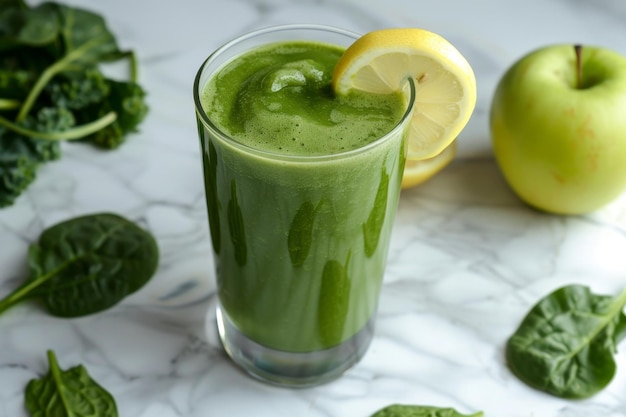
(292, 369)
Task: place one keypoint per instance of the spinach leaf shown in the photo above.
(68, 393)
(565, 345)
(86, 265)
(400, 410)
(21, 25)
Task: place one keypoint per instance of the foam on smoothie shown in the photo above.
(278, 98)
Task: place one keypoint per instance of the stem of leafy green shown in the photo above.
(55, 370)
(133, 65)
(77, 132)
(9, 104)
(50, 72)
(26, 290)
(16, 296)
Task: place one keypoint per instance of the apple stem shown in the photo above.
(579, 65)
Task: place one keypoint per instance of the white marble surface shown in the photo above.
(466, 263)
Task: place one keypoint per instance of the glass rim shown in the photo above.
(227, 139)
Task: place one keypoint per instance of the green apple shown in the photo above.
(558, 127)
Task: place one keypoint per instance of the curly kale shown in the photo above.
(77, 90)
(127, 100)
(20, 157)
(52, 89)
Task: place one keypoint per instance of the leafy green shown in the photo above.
(52, 87)
(565, 344)
(21, 25)
(19, 159)
(76, 90)
(127, 101)
(400, 410)
(86, 265)
(68, 393)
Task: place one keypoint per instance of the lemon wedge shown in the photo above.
(381, 62)
(417, 171)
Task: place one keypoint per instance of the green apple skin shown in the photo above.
(560, 146)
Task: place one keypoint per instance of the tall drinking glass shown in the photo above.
(299, 241)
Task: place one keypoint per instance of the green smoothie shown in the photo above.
(301, 202)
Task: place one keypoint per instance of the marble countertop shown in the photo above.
(467, 258)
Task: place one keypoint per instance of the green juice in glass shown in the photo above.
(301, 195)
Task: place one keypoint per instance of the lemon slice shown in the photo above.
(382, 61)
(417, 171)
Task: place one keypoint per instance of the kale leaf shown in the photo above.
(52, 88)
(127, 100)
(79, 89)
(19, 159)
